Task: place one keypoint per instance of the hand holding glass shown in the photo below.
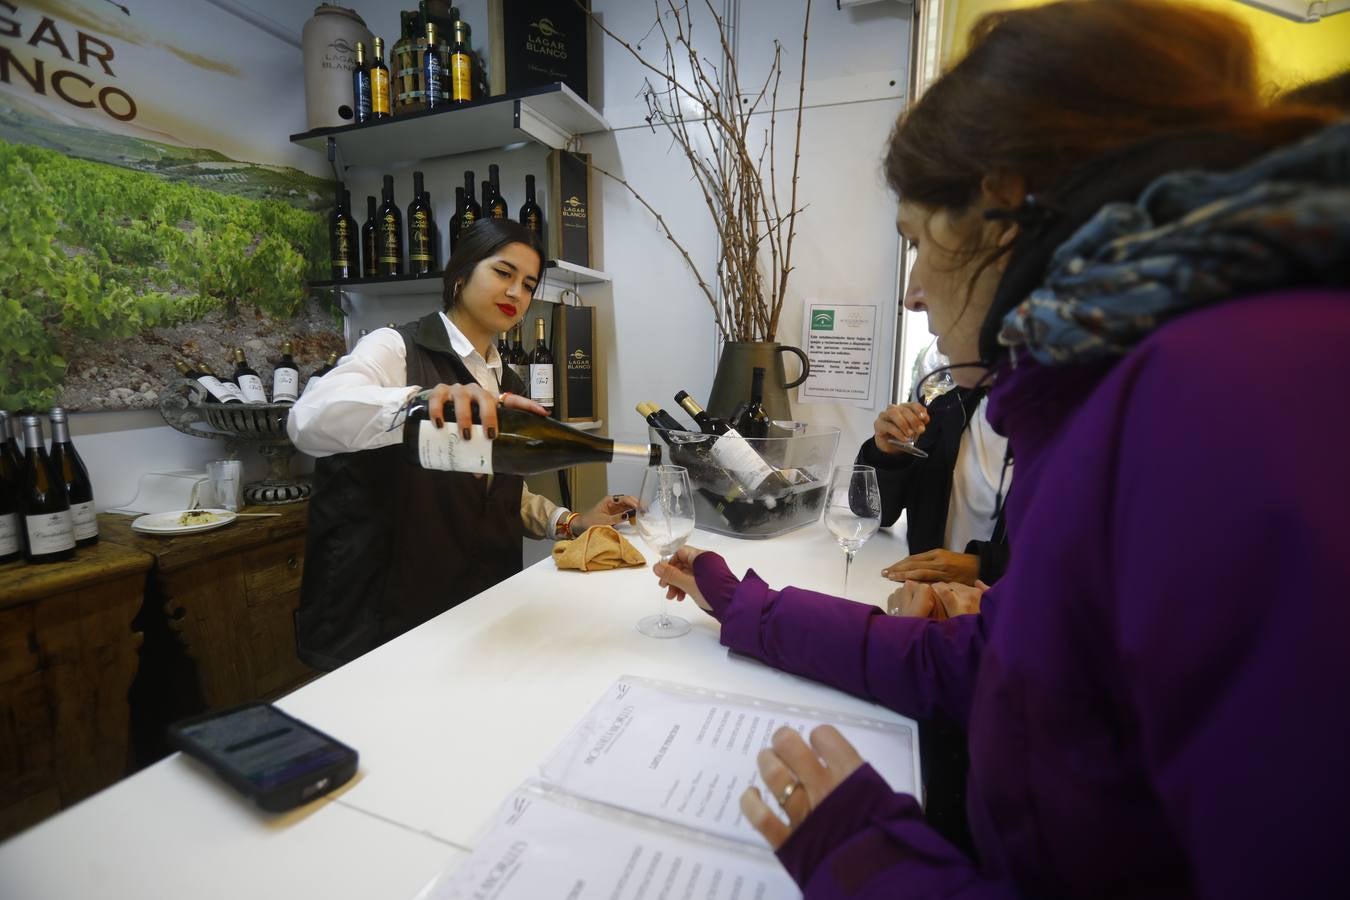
(853, 510)
(665, 518)
(934, 383)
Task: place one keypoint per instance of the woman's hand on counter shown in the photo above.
(935, 565)
(800, 778)
(677, 577)
(939, 600)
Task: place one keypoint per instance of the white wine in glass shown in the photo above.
(853, 510)
(935, 382)
(665, 519)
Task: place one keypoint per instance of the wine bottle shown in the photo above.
(461, 64)
(217, 390)
(390, 231)
(285, 377)
(8, 445)
(758, 479)
(706, 423)
(487, 198)
(531, 216)
(472, 211)
(370, 242)
(520, 360)
(68, 466)
(752, 421)
(658, 418)
(419, 230)
(328, 366)
(380, 105)
(456, 219)
(44, 502)
(526, 444)
(496, 208)
(503, 348)
(541, 368)
(433, 71)
(361, 95)
(250, 385)
(694, 453)
(342, 238)
(11, 540)
(435, 247)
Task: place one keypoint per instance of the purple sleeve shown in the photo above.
(916, 667)
(865, 841)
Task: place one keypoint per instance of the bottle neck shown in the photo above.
(32, 434)
(650, 453)
(60, 431)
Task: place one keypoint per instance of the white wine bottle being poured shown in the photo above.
(526, 444)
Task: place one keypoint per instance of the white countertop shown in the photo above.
(447, 719)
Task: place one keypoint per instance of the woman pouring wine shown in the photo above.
(374, 520)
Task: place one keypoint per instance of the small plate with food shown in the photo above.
(183, 521)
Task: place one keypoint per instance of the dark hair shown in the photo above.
(1333, 92)
(481, 240)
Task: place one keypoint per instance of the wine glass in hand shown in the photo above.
(665, 518)
(935, 382)
(853, 510)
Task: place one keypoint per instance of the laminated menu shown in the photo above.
(642, 799)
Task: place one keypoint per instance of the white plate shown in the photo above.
(167, 522)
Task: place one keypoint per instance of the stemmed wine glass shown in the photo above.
(936, 381)
(853, 511)
(665, 518)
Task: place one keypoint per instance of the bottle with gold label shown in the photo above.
(389, 232)
(342, 238)
(461, 64)
(419, 230)
(380, 105)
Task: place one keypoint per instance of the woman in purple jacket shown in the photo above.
(1151, 265)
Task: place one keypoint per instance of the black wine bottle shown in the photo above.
(285, 377)
(433, 70)
(11, 522)
(706, 423)
(419, 230)
(43, 500)
(503, 348)
(520, 360)
(757, 479)
(68, 466)
(496, 207)
(486, 194)
(472, 211)
(435, 233)
(531, 216)
(361, 102)
(390, 231)
(250, 385)
(370, 242)
(381, 105)
(342, 238)
(456, 220)
(541, 368)
(8, 445)
(751, 420)
(526, 444)
(217, 390)
(318, 373)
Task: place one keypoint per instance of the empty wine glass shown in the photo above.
(665, 518)
(853, 510)
(935, 381)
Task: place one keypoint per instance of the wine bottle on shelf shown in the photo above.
(496, 208)
(361, 95)
(370, 244)
(751, 420)
(456, 219)
(381, 106)
(757, 478)
(217, 390)
(503, 348)
(68, 466)
(519, 360)
(8, 445)
(11, 532)
(342, 238)
(286, 377)
(526, 444)
(328, 366)
(541, 368)
(460, 74)
(487, 198)
(419, 230)
(472, 211)
(390, 231)
(531, 216)
(435, 233)
(43, 500)
(250, 385)
(433, 70)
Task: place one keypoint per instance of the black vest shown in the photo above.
(390, 544)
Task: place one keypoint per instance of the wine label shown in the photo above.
(541, 384)
(220, 391)
(285, 385)
(49, 532)
(342, 245)
(419, 238)
(379, 91)
(251, 387)
(83, 520)
(9, 534)
(446, 450)
(735, 454)
(461, 77)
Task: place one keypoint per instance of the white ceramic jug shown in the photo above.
(329, 39)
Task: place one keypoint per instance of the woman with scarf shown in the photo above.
(1116, 225)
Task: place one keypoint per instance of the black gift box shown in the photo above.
(537, 42)
(569, 228)
(574, 362)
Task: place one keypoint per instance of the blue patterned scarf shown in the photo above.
(1192, 238)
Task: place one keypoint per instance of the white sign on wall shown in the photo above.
(840, 340)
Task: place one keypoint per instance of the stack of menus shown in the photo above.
(641, 800)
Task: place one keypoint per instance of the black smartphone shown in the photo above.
(274, 758)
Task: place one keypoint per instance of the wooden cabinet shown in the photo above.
(68, 654)
(230, 595)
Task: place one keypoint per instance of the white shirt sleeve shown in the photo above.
(354, 406)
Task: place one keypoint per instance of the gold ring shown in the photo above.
(788, 791)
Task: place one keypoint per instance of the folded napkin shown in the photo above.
(599, 547)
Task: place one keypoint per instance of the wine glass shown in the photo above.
(853, 511)
(936, 381)
(665, 518)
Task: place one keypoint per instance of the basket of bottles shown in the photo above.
(755, 487)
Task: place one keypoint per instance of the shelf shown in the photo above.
(556, 272)
(562, 270)
(552, 115)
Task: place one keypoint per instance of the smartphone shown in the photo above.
(277, 760)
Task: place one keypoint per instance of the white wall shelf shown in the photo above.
(551, 115)
(556, 272)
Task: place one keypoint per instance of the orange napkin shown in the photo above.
(599, 547)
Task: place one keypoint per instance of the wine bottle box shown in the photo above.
(569, 200)
(537, 42)
(574, 363)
